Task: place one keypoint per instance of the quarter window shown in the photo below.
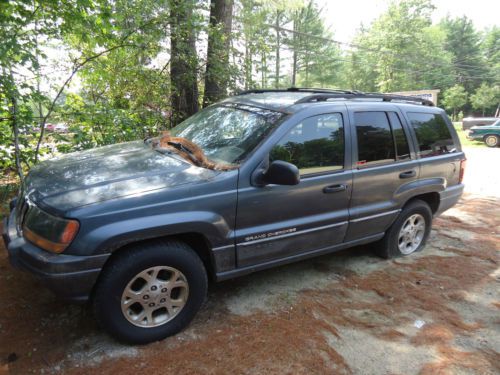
(402, 148)
(316, 145)
(375, 140)
(434, 137)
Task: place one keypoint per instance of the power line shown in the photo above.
(279, 28)
(362, 59)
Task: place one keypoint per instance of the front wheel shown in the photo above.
(408, 233)
(491, 140)
(150, 291)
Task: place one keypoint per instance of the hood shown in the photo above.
(109, 172)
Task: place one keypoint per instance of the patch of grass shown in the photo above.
(463, 139)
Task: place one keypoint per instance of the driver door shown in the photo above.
(276, 221)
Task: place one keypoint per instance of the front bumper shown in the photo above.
(70, 277)
(473, 136)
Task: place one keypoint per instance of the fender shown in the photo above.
(418, 187)
(110, 237)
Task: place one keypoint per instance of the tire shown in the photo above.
(167, 274)
(491, 140)
(395, 243)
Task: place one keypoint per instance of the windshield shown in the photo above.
(227, 133)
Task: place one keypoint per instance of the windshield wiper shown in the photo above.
(179, 146)
(189, 151)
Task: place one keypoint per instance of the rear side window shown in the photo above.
(375, 140)
(316, 145)
(402, 148)
(433, 136)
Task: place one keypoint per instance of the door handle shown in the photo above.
(334, 188)
(408, 174)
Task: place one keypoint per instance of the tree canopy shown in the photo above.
(119, 70)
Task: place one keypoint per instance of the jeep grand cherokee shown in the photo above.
(260, 179)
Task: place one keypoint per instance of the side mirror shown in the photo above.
(281, 173)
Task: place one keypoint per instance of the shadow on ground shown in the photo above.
(348, 312)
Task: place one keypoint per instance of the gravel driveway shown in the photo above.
(436, 312)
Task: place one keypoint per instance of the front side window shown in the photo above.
(316, 145)
(433, 136)
(375, 140)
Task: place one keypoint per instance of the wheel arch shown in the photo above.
(427, 190)
(197, 241)
(431, 198)
(490, 134)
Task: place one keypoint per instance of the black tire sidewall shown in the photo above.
(115, 277)
(414, 207)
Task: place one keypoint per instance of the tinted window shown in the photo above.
(433, 135)
(375, 142)
(316, 145)
(402, 149)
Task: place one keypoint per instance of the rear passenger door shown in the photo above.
(384, 161)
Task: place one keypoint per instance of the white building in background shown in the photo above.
(431, 95)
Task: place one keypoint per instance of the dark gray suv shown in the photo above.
(260, 179)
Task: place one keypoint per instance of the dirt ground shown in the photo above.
(436, 312)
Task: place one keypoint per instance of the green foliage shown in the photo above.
(463, 42)
(490, 49)
(96, 124)
(397, 52)
(486, 98)
(129, 86)
(315, 59)
(455, 98)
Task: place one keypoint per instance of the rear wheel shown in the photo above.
(150, 291)
(491, 140)
(408, 233)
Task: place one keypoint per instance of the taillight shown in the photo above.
(462, 170)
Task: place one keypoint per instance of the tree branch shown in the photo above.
(76, 68)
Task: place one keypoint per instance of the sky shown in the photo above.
(345, 16)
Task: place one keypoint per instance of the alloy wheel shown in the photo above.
(411, 234)
(154, 296)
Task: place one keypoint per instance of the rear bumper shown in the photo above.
(449, 197)
(70, 277)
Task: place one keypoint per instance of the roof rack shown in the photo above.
(320, 95)
(297, 89)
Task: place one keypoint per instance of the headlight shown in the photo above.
(49, 232)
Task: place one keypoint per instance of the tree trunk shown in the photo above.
(15, 130)
(278, 45)
(295, 48)
(247, 65)
(263, 66)
(183, 61)
(219, 37)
